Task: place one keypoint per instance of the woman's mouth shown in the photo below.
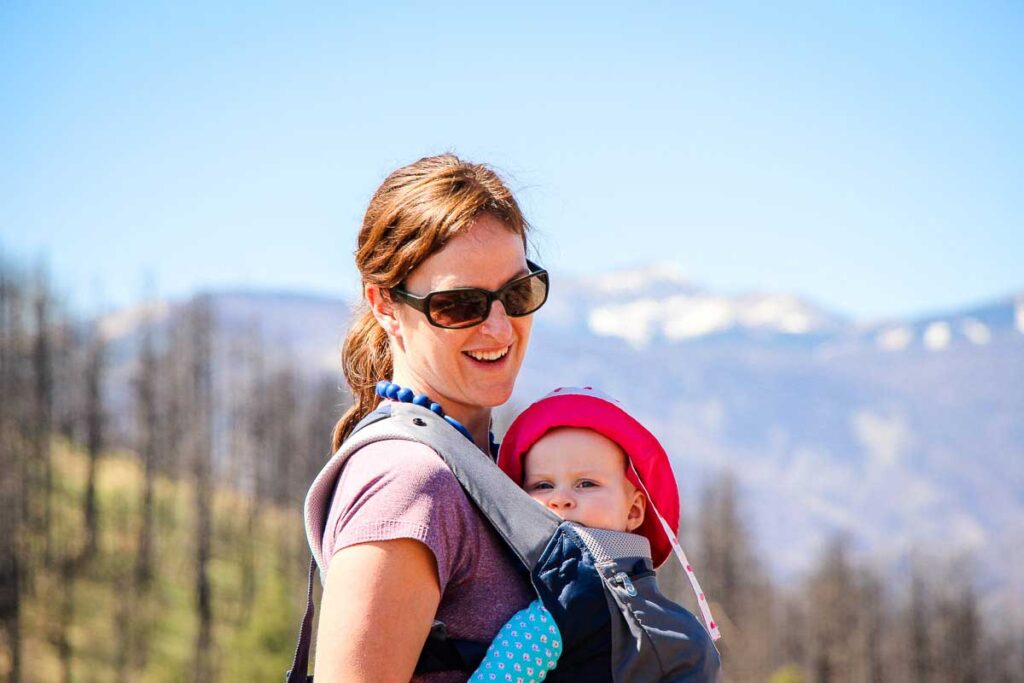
(488, 357)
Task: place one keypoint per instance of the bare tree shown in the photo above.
(200, 327)
(147, 416)
(94, 438)
(833, 595)
(253, 416)
(42, 396)
(736, 584)
(66, 615)
(957, 626)
(918, 619)
(11, 473)
(872, 627)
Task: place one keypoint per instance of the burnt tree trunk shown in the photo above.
(42, 367)
(201, 385)
(94, 424)
(146, 402)
(66, 616)
(11, 478)
(918, 621)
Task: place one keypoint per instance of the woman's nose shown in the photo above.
(498, 324)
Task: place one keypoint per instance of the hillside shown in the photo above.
(256, 578)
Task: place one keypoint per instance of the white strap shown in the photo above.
(702, 601)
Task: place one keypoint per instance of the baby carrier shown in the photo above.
(599, 586)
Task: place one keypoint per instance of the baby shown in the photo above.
(579, 453)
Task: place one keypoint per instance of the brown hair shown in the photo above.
(412, 215)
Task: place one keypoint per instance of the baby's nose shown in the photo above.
(561, 500)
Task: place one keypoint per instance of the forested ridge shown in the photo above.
(161, 540)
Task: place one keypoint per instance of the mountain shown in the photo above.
(902, 433)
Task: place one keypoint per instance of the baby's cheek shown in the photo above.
(538, 496)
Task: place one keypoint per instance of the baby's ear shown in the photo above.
(637, 510)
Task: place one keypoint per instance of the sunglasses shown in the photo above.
(469, 306)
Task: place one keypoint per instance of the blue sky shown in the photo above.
(869, 157)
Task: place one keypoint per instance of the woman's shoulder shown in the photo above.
(399, 460)
(401, 489)
(391, 480)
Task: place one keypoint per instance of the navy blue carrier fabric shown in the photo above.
(568, 584)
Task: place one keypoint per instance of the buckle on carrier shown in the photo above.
(622, 578)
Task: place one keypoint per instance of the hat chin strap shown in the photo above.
(702, 601)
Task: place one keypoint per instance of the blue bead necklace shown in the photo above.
(393, 392)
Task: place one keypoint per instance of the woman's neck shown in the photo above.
(476, 419)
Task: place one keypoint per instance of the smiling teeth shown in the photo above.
(487, 355)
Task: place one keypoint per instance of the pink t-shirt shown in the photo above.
(401, 489)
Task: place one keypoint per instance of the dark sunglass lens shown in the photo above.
(526, 296)
(458, 308)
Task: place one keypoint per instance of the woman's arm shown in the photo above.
(378, 606)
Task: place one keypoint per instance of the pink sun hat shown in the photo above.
(588, 408)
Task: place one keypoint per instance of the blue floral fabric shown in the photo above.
(525, 649)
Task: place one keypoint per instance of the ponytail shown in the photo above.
(365, 360)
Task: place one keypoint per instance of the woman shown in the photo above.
(406, 545)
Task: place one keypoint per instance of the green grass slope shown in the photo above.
(115, 630)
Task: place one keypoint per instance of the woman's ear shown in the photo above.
(382, 307)
(637, 510)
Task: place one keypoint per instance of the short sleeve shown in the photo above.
(402, 489)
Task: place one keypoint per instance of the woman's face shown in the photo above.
(475, 367)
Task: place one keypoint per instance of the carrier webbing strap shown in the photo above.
(300, 661)
(441, 652)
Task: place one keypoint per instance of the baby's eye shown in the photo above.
(587, 484)
(540, 486)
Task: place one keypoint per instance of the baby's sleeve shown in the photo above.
(526, 648)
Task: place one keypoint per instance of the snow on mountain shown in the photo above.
(940, 332)
(659, 302)
(691, 316)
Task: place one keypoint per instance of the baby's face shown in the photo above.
(581, 477)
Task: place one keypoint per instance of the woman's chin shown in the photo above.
(494, 397)
(491, 383)
(490, 394)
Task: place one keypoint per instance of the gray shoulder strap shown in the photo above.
(523, 524)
